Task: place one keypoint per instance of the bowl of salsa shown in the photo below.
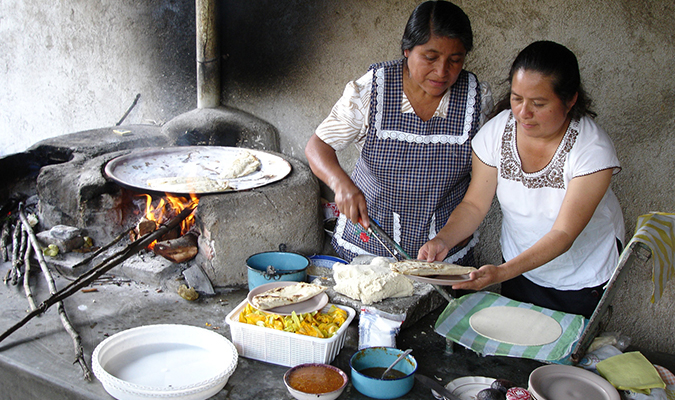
(315, 381)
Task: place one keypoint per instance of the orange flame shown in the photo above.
(167, 208)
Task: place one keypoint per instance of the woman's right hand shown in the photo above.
(348, 197)
(351, 201)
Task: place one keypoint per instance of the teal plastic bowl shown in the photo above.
(382, 357)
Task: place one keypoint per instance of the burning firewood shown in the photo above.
(178, 250)
(144, 227)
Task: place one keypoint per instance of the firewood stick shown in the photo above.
(68, 326)
(23, 247)
(26, 279)
(104, 267)
(4, 237)
(102, 249)
(16, 237)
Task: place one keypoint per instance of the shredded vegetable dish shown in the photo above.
(316, 324)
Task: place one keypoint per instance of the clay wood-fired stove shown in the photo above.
(230, 226)
(74, 191)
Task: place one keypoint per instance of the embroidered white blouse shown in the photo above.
(530, 202)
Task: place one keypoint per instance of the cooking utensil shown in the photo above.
(273, 266)
(379, 233)
(135, 169)
(435, 386)
(401, 357)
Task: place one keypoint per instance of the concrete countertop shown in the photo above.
(36, 361)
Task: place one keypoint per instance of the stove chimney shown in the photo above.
(208, 63)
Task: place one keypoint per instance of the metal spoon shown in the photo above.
(401, 357)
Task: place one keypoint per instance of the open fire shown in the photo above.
(177, 245)
(159, 211)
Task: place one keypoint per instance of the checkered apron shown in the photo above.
(412, 172)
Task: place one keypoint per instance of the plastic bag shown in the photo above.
(615, 339)
(378, 328)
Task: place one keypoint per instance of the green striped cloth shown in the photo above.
(453, 323)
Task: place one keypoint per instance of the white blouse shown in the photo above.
(530, 202)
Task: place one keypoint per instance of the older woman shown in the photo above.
(550, 166)
(413, 120)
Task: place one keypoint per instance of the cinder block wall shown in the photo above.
(79, 65)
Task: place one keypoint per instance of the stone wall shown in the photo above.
(79, 65)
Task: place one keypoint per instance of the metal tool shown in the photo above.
(376, 230)
(399, 358)
(435, 386)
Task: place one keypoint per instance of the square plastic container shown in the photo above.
(285, 348)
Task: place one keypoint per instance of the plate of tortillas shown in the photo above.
(285, 297)
(436, 272)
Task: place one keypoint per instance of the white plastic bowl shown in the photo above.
(177, 361)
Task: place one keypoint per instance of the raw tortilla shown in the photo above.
(286, 295)
(192, 184)
(515, 325)
(424, 268)
(245, 164)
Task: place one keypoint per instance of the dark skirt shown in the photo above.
(582, 302)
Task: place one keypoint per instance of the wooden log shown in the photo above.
(178, 250)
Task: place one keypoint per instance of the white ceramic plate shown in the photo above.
(466, 387)
(515, 325)
(313, 304)
(442, 280)
(164, 361)
(565, 382)
(134, 170)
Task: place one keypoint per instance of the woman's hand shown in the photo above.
(483, 277)
(351, 201)
(433, 250)
(325, 165)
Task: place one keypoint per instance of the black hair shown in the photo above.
(559, 63)
(440, 18)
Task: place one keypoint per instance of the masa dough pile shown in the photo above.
(372, 282)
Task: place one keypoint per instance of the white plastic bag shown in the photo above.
(378, 328)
